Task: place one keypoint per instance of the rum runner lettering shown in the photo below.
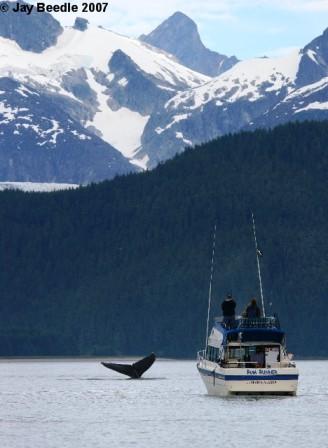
(261, 372)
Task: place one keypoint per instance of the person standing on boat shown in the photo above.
(252, 311)
(228, 310)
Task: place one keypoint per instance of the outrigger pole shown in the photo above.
(210, 287)
(258, 253)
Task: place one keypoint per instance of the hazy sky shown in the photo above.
(245, 28)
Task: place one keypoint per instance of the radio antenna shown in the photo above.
(210, 287)
(258, 255)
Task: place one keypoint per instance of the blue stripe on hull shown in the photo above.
(220, 376)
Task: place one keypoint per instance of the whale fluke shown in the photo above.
(135, 370)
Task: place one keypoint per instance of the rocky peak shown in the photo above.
(34, 32)
(131, 87)
(314, 63)
(179, 36)
(121, 62)
(81, 24)
(178, 26)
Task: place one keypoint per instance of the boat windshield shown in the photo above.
(258, 356)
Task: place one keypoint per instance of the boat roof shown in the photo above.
(264, 329)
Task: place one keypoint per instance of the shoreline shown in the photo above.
(82, 359)
(61, 359)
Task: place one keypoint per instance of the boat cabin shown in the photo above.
(247, 343)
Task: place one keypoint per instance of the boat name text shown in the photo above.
(261, 372)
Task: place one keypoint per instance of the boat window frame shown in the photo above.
(213, 353)
(239, 361)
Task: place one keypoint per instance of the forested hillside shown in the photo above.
(122, 267)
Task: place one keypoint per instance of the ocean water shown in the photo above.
(83, 405)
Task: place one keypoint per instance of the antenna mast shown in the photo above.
(258, 265)
(210, 287)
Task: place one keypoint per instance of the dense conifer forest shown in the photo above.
(122, 267)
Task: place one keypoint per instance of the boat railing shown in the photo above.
(240, 364)
(250, 364)
(240, 322)
(235, 364)
(201, 355)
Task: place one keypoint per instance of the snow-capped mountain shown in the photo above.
(90, 104)
(41, 143)
(260, 92)
(106, 83)
(179, 35)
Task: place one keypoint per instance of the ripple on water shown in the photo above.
(81, 405)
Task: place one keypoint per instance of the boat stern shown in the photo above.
(223, 382)
(280, 381)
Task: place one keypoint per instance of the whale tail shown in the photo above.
(135, 370)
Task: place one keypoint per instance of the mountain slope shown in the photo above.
(41, 143)
(93, 47)
(178, 35)
(136, 98)
(260, 92)
(108, 83)
(122, 267)
(314, 63)
(34, 32)
(225, 104)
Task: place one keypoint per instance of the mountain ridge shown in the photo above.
(42, 143)
(260, 92)
(31, 32)
(78, 79)
(178, 35)
(143, 103)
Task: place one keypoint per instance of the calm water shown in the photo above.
(84, 405)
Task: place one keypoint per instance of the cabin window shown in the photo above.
(212, 354)
(258, 356)
(237, 353)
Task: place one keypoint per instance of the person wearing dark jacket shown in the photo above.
(252, 311)
(228, 310)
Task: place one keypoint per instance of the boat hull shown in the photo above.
(224, 382)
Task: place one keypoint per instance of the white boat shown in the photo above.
(247, 356)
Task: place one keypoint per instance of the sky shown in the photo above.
(245, 28)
